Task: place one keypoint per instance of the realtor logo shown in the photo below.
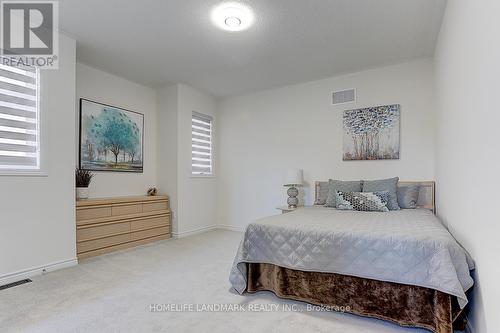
(29, 35)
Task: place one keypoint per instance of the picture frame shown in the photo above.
(372, 133)
(111, 138)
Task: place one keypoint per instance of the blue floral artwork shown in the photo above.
(111, 138)
(372, 133)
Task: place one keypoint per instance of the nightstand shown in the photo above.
(286, 209)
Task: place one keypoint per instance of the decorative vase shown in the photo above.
(82, 193)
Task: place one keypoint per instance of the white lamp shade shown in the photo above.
(293, 177)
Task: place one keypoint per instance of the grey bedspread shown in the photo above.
(407, 246)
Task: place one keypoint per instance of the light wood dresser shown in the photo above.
(105, 225)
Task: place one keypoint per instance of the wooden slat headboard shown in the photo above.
(426, 197)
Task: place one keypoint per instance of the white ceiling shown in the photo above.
(154, 42)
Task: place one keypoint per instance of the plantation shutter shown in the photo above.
(201, 133)
(19, 118)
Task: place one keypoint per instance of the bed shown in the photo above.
(401, 266)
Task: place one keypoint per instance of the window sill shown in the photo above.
(15, 173)
(202, 176)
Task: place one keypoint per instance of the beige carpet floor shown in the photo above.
(113, 293)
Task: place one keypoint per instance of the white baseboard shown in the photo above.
(34, 271)
(194, 231)
(230, 227)
(206, 229)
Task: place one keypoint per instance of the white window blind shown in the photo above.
(19, 119)
(201, 133)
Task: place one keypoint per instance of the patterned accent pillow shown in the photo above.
(363, 201)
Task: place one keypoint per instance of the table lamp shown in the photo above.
(293, 179)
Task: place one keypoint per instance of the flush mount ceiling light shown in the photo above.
(232, 16)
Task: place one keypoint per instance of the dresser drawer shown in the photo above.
(102, 242)
(100, 231)
(126, 209)
(154, 206)
(150, 233)
(157, 221)
(91, 213)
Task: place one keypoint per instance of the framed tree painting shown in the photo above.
(372, 133)
(111, 138)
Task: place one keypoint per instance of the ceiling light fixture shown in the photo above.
(232, 16)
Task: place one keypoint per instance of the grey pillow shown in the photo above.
(408, 196)
(380, 185)
(322, 194)
(342, 186)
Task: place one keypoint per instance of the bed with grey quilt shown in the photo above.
(407, 247)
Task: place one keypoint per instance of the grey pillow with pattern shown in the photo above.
(363, 201)
(379, 185)
(343, 186)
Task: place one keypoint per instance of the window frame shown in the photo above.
(212, 162)
(40, 170)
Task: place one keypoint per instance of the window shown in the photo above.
(19, 119)
(201, 144)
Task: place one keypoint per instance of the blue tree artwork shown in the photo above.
(371, 133)
(111, 138)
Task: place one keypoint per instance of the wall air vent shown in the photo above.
(343, 96)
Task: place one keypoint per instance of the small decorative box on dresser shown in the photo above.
(106, 225)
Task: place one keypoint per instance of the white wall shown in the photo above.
(103, 87)
(193, 198)
(167, 101)
(467, 71)
(263, 134)
(197, 195)
(37, 225)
